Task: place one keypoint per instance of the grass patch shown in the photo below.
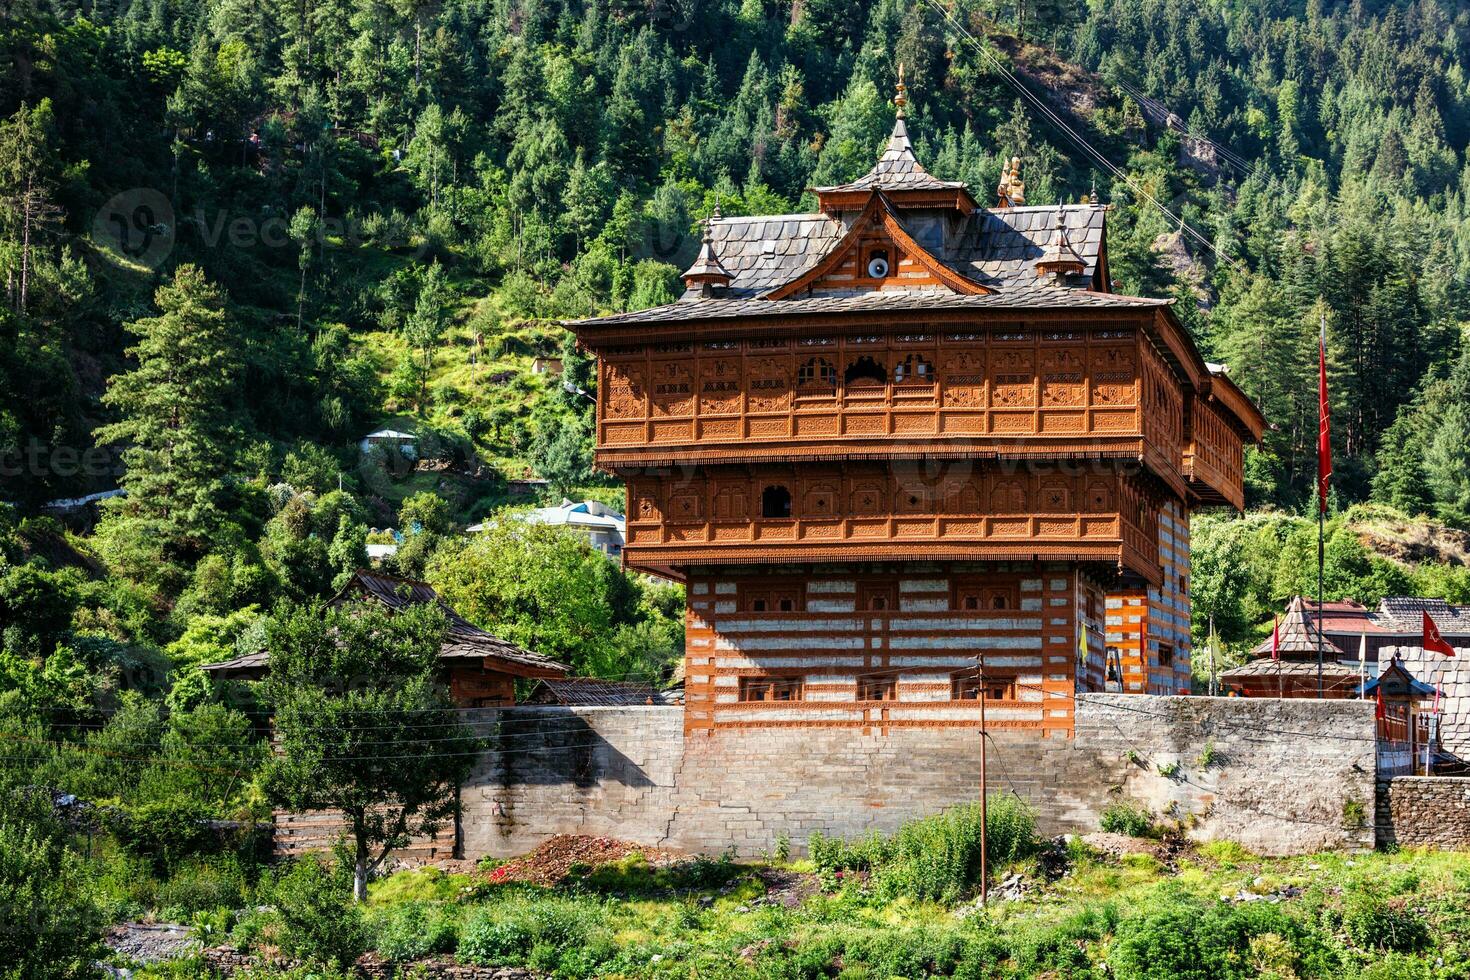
(419, 885)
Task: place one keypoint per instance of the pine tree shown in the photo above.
(27, 183)
(175, 420)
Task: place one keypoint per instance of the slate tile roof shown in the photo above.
(888, 300)
(465, 641)
(1405, 614)
(997, 248)
(1000, 247)
(1331, 670)
(1297, 636)
(763, 253)
(897, 169)
(594, 692)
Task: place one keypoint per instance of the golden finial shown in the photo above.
(900, 100)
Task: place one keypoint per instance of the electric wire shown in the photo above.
(1039, 105)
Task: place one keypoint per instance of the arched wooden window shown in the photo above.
(914, 370)
(865, 372)
(775, 501)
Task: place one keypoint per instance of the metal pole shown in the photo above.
(1211, 642)
(984, 814)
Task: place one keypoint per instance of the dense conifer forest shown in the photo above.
(238, 236)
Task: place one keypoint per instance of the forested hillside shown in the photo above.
(238, 236)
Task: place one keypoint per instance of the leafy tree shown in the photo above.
(424, 329)
(362, 726)
(425, 522)
(28, 214)
(539, 586)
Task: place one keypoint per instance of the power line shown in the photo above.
(1087, 148)
(1229, 155)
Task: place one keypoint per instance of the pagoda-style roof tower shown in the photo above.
(901, 393)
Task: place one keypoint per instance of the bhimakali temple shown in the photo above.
(908, 437)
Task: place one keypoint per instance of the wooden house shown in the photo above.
(905, 437)
(479, 668)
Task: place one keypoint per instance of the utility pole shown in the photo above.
(984, 816)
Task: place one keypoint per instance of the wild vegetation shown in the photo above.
(236, 237)
(1070, 911)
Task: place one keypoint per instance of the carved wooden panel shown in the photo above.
(1004, 389)
(769, 384)
(626, 390)
(720, 386)
(673, 388)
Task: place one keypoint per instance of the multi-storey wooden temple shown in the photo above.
(906, 436)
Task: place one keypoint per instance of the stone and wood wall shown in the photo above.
(879, 647)
(1279, 777)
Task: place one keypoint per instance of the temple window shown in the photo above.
(914, 369)
(865, 372)
(817, 372)
(966, 686)
(878, 687)
(978, 596)
(1166, 655)
(784, 599)
(775, 502)
(770, 689)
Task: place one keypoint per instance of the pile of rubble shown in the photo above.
(146, 942)
(561, 856)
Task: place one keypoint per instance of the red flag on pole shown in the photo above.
(1324, 424)
(1432, 639)
(1275, 638)
(1380, 710)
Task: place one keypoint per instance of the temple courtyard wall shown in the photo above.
(1279, 777)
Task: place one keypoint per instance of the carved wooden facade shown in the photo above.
(905, 438)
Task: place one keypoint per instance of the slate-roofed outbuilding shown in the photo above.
(1297, 636)
(465, 645)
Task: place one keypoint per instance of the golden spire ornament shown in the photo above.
(900, 99)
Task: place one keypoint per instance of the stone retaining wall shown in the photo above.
(1427, 811)
(1280, 777)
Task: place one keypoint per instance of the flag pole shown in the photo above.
(1212, 654)
(1324, 472)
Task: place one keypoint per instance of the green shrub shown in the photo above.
(319, 919)
(1396, 966)
(165, 830)
(202, 885)
(413, 930)
(1127, 817)
(52, 926)
(1061, 949)
(936, 858)
(552, 935)
(1373, 922)
(418, 885)
(1226, 853)
(1179, 937)
(490, 941)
